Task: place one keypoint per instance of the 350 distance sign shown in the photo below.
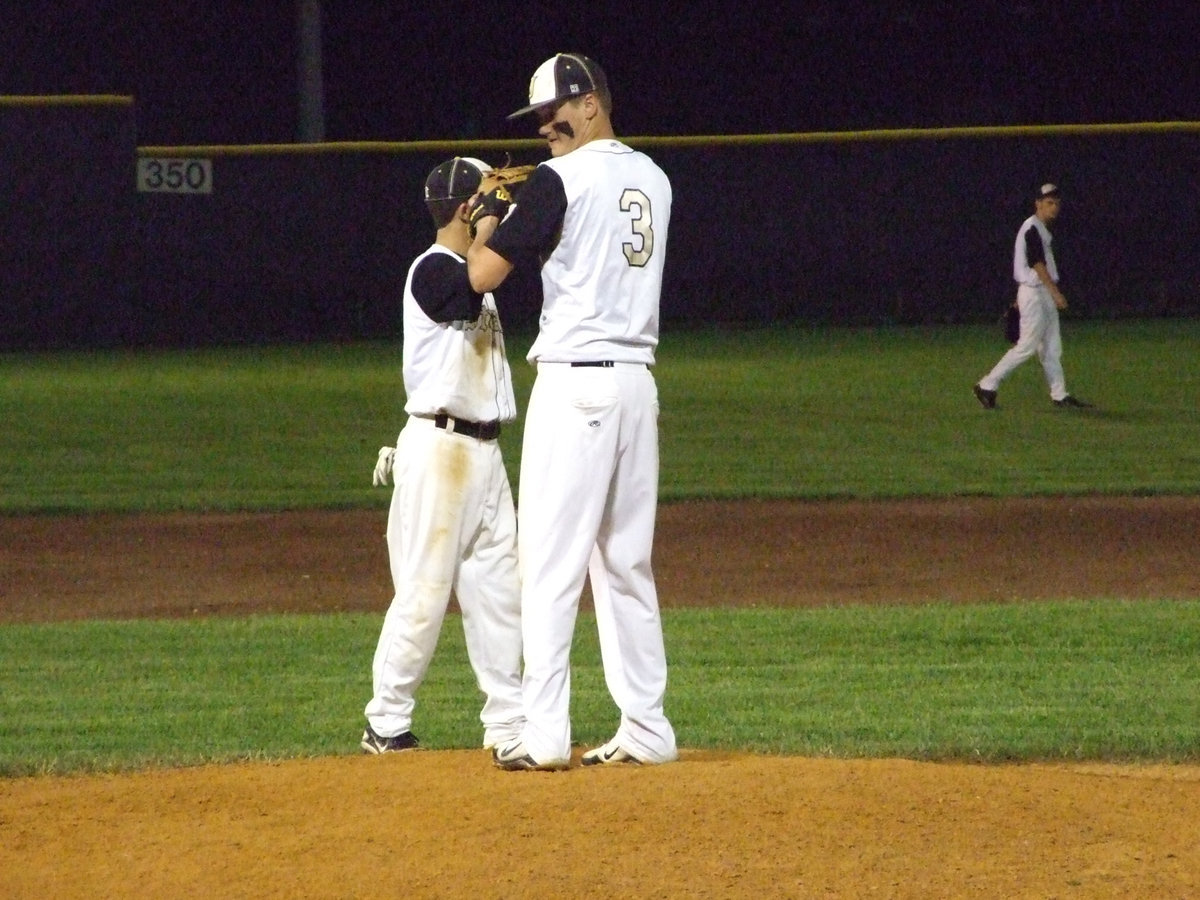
(174, 176)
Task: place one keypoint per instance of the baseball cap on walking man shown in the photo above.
(563, 76)
(1047, 190)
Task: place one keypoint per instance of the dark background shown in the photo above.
(225, 71)
(297, 247)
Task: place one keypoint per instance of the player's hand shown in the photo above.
(1059, 300)
(383, 466)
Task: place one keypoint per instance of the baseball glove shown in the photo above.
(508, 175)
(1012, 324)
(494, 203)
(498, 188)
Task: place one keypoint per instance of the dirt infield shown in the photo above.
(445, 824)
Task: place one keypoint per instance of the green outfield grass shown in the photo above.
(890, 413)
(780, 412)
(1099, 680)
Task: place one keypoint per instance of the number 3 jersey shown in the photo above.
(596, 221)
(454, 360)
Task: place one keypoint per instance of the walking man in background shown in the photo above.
(595, 218)
(1039, 300)
(452, 524)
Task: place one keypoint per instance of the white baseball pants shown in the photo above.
(451, 527)
(1040, 334)
(588, 497)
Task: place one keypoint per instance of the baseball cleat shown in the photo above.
(513, 757)
(610, 754)
(986, 398)
(1072, 401)
(375, 744)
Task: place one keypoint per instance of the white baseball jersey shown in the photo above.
(602, 278)
(596, 220)
(1032, 247)
(452, 524)
(454, 359)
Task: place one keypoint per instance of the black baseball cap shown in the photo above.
(561, 77)
(1047, 190)
(455, 179)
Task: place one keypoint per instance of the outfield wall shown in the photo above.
(68, 250)
(300, 242)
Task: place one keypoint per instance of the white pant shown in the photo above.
(451, 526)
(588, 499)
(1040, 334)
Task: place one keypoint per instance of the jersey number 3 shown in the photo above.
(636, 202)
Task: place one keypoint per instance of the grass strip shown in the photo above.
(1099, 680)
(788, 411)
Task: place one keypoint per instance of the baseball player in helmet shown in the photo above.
(594, 217)
(452, 524)
(1039, 300)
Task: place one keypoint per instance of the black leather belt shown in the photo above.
(596, 363)
(481, 431)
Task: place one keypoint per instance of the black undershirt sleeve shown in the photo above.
(443, 291)
(531, 230)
